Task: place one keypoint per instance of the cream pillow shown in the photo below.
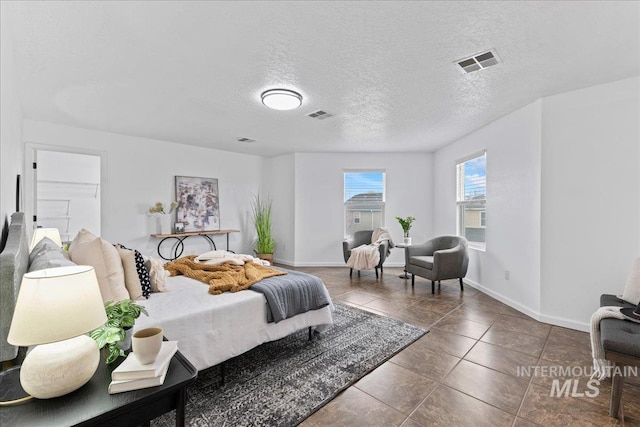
(632, 288)
(158, 275)
(131, 279)
(83, 236)
(104, 258)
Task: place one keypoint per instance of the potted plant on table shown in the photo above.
(405, 223)
(261, 214)
(116, 333)
(162, 217)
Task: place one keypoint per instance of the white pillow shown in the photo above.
(632, 288)
(157, 274)
(104, 258)
(83, 236)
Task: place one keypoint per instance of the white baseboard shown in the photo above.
(565, 323)
(552, 320)
(328, 264)
(320, 264)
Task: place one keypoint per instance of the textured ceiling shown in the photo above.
(192, 72)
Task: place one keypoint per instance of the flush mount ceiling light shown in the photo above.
(281, 99)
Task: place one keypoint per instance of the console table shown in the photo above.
(92, 405)
(181, 237)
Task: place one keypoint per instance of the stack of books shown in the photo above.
(131, 375)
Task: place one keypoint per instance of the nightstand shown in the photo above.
(92, 405)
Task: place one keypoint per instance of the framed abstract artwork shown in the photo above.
(198, 203)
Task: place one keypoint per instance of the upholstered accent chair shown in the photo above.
(363, 237)
(441, 258)
(621, 342)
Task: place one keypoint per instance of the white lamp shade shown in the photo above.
(55, 304)
(41, 233)
(281, 99)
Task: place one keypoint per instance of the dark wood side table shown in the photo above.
(92, 405)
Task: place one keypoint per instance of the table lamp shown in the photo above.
(55, 308)
(41, 233)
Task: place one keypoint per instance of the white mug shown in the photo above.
(146, 344)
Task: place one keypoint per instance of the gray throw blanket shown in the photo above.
(292, 294)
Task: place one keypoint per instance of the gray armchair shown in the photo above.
(363, 237)
(445, 257)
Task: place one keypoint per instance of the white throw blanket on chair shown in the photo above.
(631, 294)
(367, 257)
(601, 366)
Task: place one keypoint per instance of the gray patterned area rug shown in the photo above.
(283, 382)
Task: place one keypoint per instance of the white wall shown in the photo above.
(513, 206)
(563, 201)
(278, 182)
(319, 201)
(590, 197)
(141, 171)
(11, 151)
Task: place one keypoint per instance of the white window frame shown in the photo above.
(380, 204)
(461, 203)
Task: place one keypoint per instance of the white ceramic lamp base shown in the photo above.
(52, 370)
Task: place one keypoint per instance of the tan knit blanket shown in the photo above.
(223, 277)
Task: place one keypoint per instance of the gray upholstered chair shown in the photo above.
(363, 237)
(621, 342)
(445, 257)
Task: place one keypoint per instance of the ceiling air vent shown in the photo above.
(247, 140)
(320, 115)
(478, 61)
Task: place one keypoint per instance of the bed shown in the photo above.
(213, 328)
(209, 328)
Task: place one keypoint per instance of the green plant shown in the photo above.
(159, 208)
(405, 223)
(261, 213)
(120, 316)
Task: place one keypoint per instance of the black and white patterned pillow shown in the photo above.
(143, 273)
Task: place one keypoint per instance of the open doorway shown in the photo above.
(67, 191)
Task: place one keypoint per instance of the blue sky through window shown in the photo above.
(475, 178)
(362, 182)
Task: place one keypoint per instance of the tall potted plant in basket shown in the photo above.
(261, 215)
(405, 223)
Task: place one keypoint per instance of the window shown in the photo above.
(363, 200)
(471, 198)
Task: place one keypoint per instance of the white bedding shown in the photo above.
(213, 328)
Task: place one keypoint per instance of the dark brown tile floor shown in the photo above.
(468, 371)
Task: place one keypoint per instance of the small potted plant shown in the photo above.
(121, 316)
(261, 214)
(162, 217)
(405, 223)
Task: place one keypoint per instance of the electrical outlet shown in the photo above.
(507, 273)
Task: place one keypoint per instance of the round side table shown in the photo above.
(405, 275)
